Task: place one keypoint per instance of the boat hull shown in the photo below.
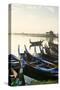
(38, 74)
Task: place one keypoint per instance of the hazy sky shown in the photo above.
(34, 19)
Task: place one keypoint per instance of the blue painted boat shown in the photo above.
(16, 77)
(13, 61)
(38, 68)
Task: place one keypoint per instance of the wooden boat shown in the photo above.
(53, 46)
(50, 58)
(40, 73)
(51, 53)
(16, 77)
(13, 61)
(37, 43)
(38, 68)
(46, 58)
(13, 66)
